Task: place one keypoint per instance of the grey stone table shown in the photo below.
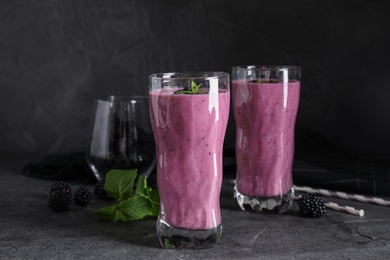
(30, 230)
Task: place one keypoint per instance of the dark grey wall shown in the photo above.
(57, 56)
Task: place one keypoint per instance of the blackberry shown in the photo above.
(311, 206)
(60, 196)
(100, 192)
(82, 197)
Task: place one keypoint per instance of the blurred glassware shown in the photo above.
(121, 136)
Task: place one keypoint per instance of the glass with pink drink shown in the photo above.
(189, 113)
(265, 104)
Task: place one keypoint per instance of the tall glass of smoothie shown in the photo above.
(189, 113)
(265, 104)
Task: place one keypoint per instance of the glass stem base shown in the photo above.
(276, 204)
(178, 238)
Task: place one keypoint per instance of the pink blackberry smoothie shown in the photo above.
(189, 130)
(265, 116)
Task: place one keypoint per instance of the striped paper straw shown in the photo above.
(346, 209)
(343, 195)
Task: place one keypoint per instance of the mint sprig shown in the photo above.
(130, 205)
(194, 89)
(265, 81)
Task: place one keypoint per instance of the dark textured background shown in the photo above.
(57, 56)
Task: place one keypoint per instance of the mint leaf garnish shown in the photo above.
(183, 91)
(265, 81)
(194, 89)
(130, 205)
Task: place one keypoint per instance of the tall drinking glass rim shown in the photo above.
(179, 75)
(265, 67)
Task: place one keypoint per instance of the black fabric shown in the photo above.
(61, 167)
(68, 167)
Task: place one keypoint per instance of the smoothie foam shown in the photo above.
(265, 115)
(189, 132)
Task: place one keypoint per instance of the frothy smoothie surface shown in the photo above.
(265, 115)
(189, 132)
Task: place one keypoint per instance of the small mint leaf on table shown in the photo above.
(151, 194)
(119, 216)
(154, 198)
(141, 185)
(168, 245)
(105, 213)
(130, 205)
(135, 208)
(119, 183)
(111, 212)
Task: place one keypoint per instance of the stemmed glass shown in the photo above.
(121, 136)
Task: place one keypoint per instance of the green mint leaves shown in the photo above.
(168, 245)
(130, 205)
(265, 81)
(194, 89)
(119, 183)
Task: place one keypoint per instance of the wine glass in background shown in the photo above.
(121, 136)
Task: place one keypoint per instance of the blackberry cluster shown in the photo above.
(100, 192)
(82, 196)
(311, 206)
(60, 196)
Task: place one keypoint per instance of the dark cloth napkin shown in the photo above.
(61, 167)
(69, 167)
